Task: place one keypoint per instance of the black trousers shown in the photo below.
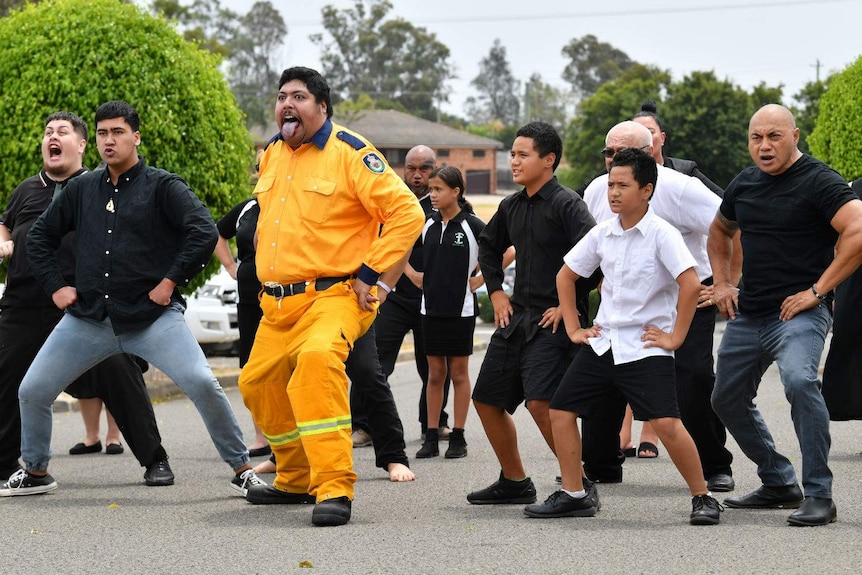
(370, 393)
(695, 378)
(392, 324)
(117, 381)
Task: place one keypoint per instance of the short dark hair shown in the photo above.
(649, 109)
(118, 109)
(546, 140)
(644, 168)
(78, 124)
(315, 83)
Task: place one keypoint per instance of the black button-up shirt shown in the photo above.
(543, 228)
(148, 227)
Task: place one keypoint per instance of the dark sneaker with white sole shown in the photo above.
(705, 510)
(23, 483)
(505, 491)
(561, 504)
(242, 481)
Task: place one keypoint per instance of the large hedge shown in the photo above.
(837, 135)
(76, 54)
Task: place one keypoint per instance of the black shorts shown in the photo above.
(516, 370)
(448, 336)
(649, 385)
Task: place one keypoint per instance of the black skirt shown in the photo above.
(448, 336)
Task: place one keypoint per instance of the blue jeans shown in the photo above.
(748, 348)
(78, 344)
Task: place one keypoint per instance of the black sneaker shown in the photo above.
(269, 495)
(159, 473)
(22, 483)
(592, 491)
(331, 512)
(505, 491)
(242, 481)
(705, 510)
(561, 504)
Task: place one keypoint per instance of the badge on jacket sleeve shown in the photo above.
(373, 162)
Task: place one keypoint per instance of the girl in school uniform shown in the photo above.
(449, 306)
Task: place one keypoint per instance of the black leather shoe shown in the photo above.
(814, 511)
(268, 495)
(766, 497)
(81, 448)
(561, 504)
(159, 473)
(331, 512)
(721, 483)
(504, 491)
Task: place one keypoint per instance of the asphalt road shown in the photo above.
(103, 520)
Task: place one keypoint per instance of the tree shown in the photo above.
(498, 90)
(76, 54)
(707, 121)
(613, 102)
(806, 115)
(545, 103)
(364, 52)
(253, 58)
(837, 136)
(592, 64)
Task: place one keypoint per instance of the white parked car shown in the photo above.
(211, 314)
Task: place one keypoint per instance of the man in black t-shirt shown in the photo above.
(801, 233)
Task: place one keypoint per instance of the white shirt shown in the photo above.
(682, 201)
(640, 265)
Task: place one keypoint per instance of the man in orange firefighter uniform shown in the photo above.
(324, 193)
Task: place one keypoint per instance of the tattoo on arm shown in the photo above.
(731, 225)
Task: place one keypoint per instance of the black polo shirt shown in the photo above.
(28, 201)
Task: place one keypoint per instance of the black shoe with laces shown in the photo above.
(592, 491)
(505, 491)
(561, 504)
(23, 483)
(159, 473)
(705, 510)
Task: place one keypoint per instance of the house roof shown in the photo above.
(393, 129)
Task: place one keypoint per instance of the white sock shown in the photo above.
(575, 494)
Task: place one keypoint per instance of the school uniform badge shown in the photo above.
(373, 162)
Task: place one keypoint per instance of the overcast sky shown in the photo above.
(779, 42)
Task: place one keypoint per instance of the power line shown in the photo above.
(606, 14)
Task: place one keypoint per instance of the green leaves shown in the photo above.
(837, 137)
(76, 54)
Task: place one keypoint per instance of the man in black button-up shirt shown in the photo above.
(141, 232)
(530, 350)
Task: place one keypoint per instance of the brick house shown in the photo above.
(394, 133)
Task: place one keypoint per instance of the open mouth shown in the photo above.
(55, 150)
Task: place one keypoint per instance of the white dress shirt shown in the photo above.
(640, 265)
(682, 201)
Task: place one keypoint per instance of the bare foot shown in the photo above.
(400, 472)
(265, 467)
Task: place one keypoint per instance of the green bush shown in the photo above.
(76, 54)
(837, 135)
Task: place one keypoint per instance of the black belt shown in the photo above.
(285, 290)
